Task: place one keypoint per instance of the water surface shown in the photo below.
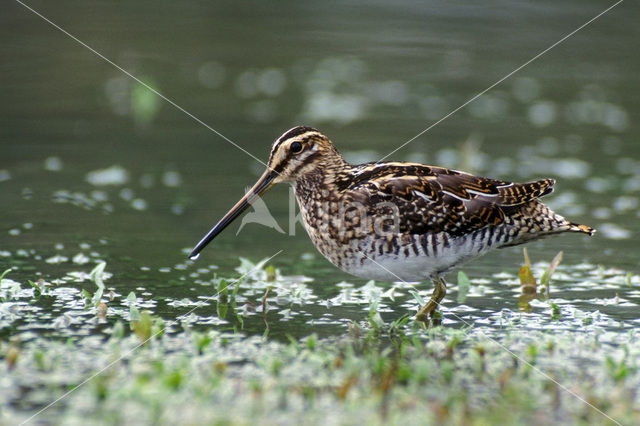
(369, 76)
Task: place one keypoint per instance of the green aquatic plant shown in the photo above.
(548, 272)
(556, 312)
(97, 276)
(375, 319)
(621, 369)
(529, 285)
(134, 312)
(383, 369)
(464, 285)
(201, 341)
(147, 326)
(223, 302)
(4, 273)
(40, 287)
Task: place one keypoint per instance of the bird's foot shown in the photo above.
(429, 314)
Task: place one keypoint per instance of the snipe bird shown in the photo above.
(395, 221)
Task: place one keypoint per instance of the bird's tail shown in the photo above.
(535, 221)
(575, 227)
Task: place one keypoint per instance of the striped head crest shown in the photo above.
(299, 151)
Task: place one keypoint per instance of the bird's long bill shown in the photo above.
(261, 186)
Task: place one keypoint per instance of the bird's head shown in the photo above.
(297, 153)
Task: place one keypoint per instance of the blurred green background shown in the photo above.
(371, 75)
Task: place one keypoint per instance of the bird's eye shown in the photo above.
(296, 147)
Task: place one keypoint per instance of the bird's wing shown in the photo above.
(435, 199)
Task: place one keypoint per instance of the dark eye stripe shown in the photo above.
(280, 167)
(304, 161)
(308, 159)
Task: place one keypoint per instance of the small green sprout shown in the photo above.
(6, 271)
(464, 285)
(546, 276)
(555, 311)
(271, 273)
(417, 297)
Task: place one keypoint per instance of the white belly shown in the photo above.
(418, 262)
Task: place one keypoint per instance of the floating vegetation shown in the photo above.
(114, 175)
(227, 357)
(389, 372)
(103, 320)
(529, 285)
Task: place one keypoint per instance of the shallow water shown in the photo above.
(92, 163)
(93, 167)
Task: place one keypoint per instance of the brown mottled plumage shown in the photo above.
(400, 221)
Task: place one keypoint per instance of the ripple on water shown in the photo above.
(579, 291)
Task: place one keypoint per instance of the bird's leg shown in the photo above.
(432, 305)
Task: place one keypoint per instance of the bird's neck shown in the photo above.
(322, 182)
